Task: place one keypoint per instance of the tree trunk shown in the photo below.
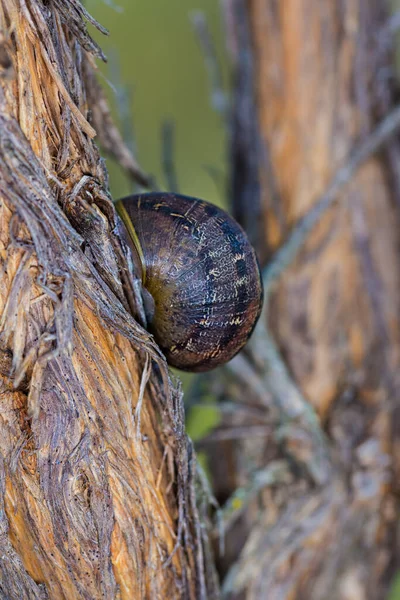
(312, 78)
(97, 475)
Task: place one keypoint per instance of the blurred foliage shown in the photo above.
(154, 55)
(394, 593)
(203, 418)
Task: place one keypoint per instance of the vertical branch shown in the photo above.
(88, 407)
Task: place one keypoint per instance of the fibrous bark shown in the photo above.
(96, 475)
(311, 501)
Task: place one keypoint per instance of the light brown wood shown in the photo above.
(317, 92)
(96, 473)
(313, 78)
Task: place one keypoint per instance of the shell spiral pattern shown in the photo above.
(202, 274)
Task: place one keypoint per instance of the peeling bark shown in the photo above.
(97, 474)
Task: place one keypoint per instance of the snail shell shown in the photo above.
(201, 273)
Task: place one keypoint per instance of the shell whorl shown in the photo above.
(202, 274)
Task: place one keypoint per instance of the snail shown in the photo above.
(201, 279)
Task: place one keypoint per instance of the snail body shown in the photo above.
(201, 274)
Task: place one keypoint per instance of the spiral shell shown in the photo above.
(202, 273)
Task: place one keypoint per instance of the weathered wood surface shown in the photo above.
(314, 513)
(96, 474)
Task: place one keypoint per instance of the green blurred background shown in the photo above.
(154, 54)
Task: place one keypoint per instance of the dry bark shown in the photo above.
(310, 481)
(97, 475)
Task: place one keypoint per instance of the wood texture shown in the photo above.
(320, 83)
(312, 80)
(97, 475)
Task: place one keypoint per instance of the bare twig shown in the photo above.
(114, 6)
(108, 133)
(145, 378)
(276, 378)
(235, 433)
(275, 472)
(273, 376)
(367, 148)
(219, 100)
(168, 155)
(124, 98)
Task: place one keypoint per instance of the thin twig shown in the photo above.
(235, 433)
(367, 148)
(109, 135)
(275, 472)
(218, 178)
(219, 100)
(168, 155)
(276, 377)
(287, 398)
(124, 99)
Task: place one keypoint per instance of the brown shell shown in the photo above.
(203, 275)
